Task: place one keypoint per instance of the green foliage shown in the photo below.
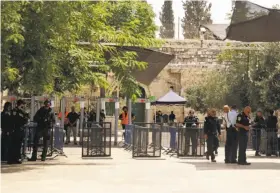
(210, 93)
(252, 78)
(41, 50)
(167, 20)
(196, 13)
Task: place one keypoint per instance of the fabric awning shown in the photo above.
(156, 62)
(253, 23)
(171, 98)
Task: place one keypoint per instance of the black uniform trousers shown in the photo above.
(243, 140)
(5, 142)
(211, 145)
(191, 135)
(231, 145)
(16, 140)
(40, 132)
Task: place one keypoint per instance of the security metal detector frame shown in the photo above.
(101, 105)
(147, 109)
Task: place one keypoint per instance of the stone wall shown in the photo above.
(194, 59)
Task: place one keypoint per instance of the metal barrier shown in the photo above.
(264, 141)
(96, 139)
(170, 139)
(146, 140)
(191, 142)
(29, 133)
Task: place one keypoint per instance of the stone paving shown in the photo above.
(124, 174)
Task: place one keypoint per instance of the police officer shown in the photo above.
(44, 118)
(191, 124)
(243, 123)
(6, 127)
(231, 135)
(210, 134)
(216, 139)
(259, 124)
(20, 118)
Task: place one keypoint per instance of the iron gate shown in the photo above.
(96, 139)
(191, 142)
(146, 140)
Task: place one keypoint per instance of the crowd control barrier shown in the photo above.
(169, 139)
(146, 140)
(264, 141)
(96, 139)
(29, 133)
(191, 142)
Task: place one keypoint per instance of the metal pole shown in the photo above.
(129, 108)
(63, 100)
(103, 106)
(82, 105)
(98, 110)
(117, 107)
(178, 27)
(147, 112)
(32, 108)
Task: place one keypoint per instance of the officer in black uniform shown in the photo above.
(6, 127)
(44, 118)
(242, 123)
(216, 139)
(191, 124)
(210, 134)
(20, 118)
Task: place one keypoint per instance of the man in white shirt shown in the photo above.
(231, 137)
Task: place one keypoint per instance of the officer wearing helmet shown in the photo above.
(44, 118)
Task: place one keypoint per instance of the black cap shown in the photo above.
(47, 102)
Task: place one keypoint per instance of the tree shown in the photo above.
(167, 20)
(41, 49)
(253, 77)
(209, 93)
(196, 13)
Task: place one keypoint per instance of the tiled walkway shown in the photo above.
(124, 174)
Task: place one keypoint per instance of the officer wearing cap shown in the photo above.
(243, 123)
(191, 124)
(20, 118)
(44, 118)
(211, 130)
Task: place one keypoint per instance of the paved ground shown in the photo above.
(123, 174)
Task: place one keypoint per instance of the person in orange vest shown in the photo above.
(124, 118)
(66, 123)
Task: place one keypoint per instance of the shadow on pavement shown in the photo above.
(27, 166)
(222, 166)
(261, 157)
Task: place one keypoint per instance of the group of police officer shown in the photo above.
(236, 125)
(13, 123)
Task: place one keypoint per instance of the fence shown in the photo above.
(146, 140)
(191, 142)
(29, 133)
(96, 139)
